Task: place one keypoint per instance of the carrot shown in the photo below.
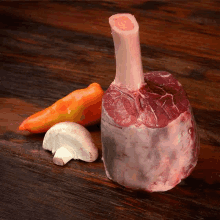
(82, 106)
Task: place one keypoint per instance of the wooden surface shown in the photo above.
(50, 48)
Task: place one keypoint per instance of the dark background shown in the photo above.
(50, 48)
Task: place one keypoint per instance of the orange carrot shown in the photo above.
(82, 106)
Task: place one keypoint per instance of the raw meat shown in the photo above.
(149, 136)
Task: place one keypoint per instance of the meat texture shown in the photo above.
(149, 136)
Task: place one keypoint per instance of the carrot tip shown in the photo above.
(22, 127)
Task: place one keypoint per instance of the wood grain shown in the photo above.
(50, 48)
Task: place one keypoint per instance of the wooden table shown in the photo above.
(50, 48)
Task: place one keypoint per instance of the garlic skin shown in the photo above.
(70, 140)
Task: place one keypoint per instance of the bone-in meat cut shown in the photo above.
(149, 136)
